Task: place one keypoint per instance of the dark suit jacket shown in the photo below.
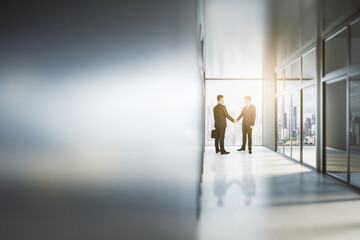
(249, 115)
(220, 115)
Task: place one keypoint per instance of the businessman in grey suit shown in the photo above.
(248, 114)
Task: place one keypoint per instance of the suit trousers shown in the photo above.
(246, 133)
(220, 135)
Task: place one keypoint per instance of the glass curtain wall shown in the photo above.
(342, 103)
(354, 130)
(335, 128)
(280, 144)
(287, 126)
(309, 126)
(295, 126)
(296, 113)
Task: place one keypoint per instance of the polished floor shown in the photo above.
(265, 196)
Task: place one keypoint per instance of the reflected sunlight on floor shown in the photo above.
(267, 196)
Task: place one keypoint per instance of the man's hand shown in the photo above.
(235, 121)
(251, 126)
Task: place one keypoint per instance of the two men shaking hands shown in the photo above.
(248, 114)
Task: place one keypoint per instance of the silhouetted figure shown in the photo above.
(220, 115)
(248, 114)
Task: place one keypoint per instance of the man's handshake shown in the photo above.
(235, 121)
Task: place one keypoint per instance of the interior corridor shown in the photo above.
(267, 196)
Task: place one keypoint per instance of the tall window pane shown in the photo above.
(287, 127)
(335, 125)
(295, 126)
(354, 134)
(309, 126)
(336, 54)
(279, 125)
(292, 75)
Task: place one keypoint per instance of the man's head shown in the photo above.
(247, 100)
(220, 99)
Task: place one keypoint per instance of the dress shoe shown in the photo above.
(241, 149)
(225, 153)
(250, 152)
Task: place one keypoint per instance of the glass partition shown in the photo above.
(354, 131)
(296, 113)
(335, 128)
(295, 126)
(287, 126)
(309, 126)
(280, 125)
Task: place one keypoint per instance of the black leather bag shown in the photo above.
(213, 133)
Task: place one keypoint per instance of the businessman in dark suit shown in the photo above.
(220, 115)
(248, 114)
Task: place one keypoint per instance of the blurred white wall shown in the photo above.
(101, 119)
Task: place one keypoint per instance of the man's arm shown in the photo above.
(227, 114)
(240, 116)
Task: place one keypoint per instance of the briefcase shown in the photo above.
(213, 133)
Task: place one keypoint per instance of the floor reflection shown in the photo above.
(267, 196)
(221, 184)
(245, 181)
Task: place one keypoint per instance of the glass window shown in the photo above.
(287, 127)
(292, 75)
(309, 66)
(280, 81)
(355, 43)
(335, 128)
(279, 125)
(234, 92)
(295, 126)
(336, 54)
(309, 126)
(354, 128)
